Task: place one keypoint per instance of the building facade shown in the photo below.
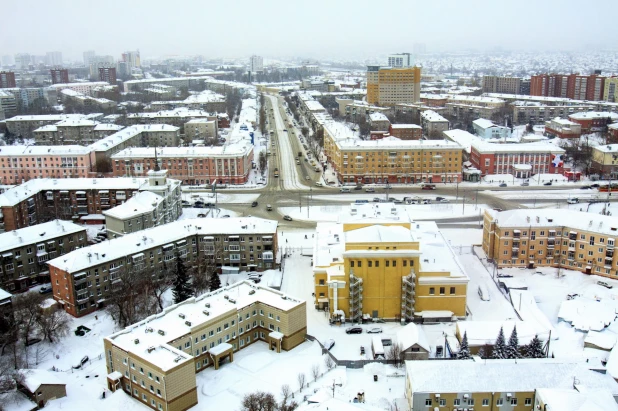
(555, 238)
(500, 84)
(177, 117)
(605, 160)
(399, 60)
(375, 263)
(24, 253)
(7, 79)
(59, 75)
(536, 113)
(592, 121)
(108, 75)
(25, 126)
(433, 123)
(610, 93)
(573, 86)
(521, 160)
(388, 86)
(156, 361)
(256, 64)
(82, 278)
(406, 131)
(205, 130)
(487, 130)
(562, 128)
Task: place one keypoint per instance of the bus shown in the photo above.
(377, 348)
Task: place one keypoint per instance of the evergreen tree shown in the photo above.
(464, 349)
(181, 288)
(512, 349)
(499, 350)
(481, 353)
(535, 348)
(215, 281)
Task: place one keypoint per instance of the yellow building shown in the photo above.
(556, 238)
(611, 90)
(375, 263)
(388, 86)
(605, 160)
(390, 159)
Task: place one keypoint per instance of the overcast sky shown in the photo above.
(316, 28)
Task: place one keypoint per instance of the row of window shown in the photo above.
(376, 263)
(470, 402)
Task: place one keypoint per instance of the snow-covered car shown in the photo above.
(604, 284)
(573, 201)
(444, 200)
(287, 218)
(370, 190)
(525, 184)
(328, 344)
(374, 330)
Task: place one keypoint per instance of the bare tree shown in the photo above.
(263, 162)
(53, 324)
(157, 282)
(395, 353)
(301, 380)
(26, 309)
(315, 372)
(285, 393)
(328, 362)
(259, 401)
(130, 301)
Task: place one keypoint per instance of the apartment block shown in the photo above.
(353, 108)
(256, 64)
(24, 253)
(433, 123)
(59, 75)
(605, 160)
(155, 360)
(377, 263)
(204, 130)
(387, 86)
(19, 164)
(573, 86)
(8, 104)
(82, 278)
(610, 92)
(379, 121)
(84, 102)
(592, 121)
(7, 79)
(487, 130)
(86, 88)
(26, 125)
(499, 385)
(228, 164)
(390, 159)
(500, 84)
(107, 75)
(400, 60)
(177, 117)
(556, 238)
(525, 112)
(521, 160)
(406, 131)
(41, 200)
(562, 128)
(473, 107)
(27, 97)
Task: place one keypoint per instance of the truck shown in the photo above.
(300, 154)
(276, 172)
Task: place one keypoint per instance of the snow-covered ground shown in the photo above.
(221, 197)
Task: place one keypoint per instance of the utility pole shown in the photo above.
(463, 204)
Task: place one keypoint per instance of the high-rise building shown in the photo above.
(22, 61)
(53, 58)
(400, 60)
(497, 84)
(87, 56)
(132, 59)
(107, 74)
(611, 89)
(574, 86)
(387, 86)
(122, 69)
(99, 61)
(256, 64)
(8, 60)
(59, 75)
(7, 79)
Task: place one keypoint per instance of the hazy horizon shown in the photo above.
(319, 29)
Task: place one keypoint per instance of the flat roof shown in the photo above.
(37, 233)
(432, 116)
(43, 150)
(589, 115)
(537, 147)
(240, 148)
(125, 134)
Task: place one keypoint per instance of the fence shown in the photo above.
(96, 357)
(354, 364)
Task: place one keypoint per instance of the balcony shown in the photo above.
(267, 256)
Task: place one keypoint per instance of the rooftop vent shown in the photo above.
(161, 332)
(188, 323)
(227, 297)
(136, 341)
(206, 312)
(232, 301)
(207, 305)
(251, 292)
(179, 358)
(283, 297)
(181, 315)
(151, 349)
(148, 330)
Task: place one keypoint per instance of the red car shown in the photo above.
(428, 187)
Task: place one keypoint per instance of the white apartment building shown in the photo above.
(256, 64)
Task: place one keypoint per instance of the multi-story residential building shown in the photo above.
(376, 263)
(473, 107)
(228, 164)
(353, 108)
(59, 75)
(574, 86)
(387, 86)
(256, 64)
(74, 130)
(82, 101)
(433, 123)
(525, 112)
(400, 60)
(613, 130)
(555, 102)
(132, 58)
(27, 97)
(8, 104)
(246, 244)
(24, 253)
(610, 93)
(157, 204)
(562, 128)
(500, 84)
(498, 385)
(40, 200)
(177, 117)
(107, 75)
(88, 55)
(556, 238)
(605, 160)
(204, 130)
(7, 79)
(19, 164)
(156, 360)
(379, 121)
(521, 160)
(53, 58)
(86, 88)
(592, 121)
(25, 126)
(23, 61)
(97, 62)
(161, 135)
(389, 159)
(406, 131)
(487, 130)
(190, 81)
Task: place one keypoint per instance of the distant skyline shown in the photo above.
(317, 29)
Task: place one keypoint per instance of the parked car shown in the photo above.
(345, 189)
(595, 185)
(358, 187)
(573, 201)
(354, 330)
(318, 184)
(46, 289)
(572, 296)
(428, 187)
(444, 200)
(287, 218)
(225, 216)
(328, 344)
(525, 184)
(370, 190)
(439, 198)
(374, 330)
(269, 207)
(254, 204)
(426, 201)
(604, 284)
(307, 178)
(585, 188)
(376, 200)
(547, 184)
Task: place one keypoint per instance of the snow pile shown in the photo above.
(604, 340)
(525, 305)
(585, 314)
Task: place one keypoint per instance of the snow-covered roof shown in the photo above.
(613, 126)
(484, 123)
(578, 399)
(432, 116)
(220, 348)
(313, 105)
(108, 127)
(86, 84)
(379, 233)
(485, 332)
(612, 362)
(563, 122)
(590, 115)
(603, 339)
(4, 295)
(522, 375)
(37, 233)
(181, 112)
(405, 126)
(141, 203)
(588, 314)
(239, 148)
(557, 218)
(133, 243)
(77, 123)
(462, 137)
(47, 117)
(34, 378)
(378, 117)
(485, 147)
(17, 151)
(200, 120)
(609, 148)
(395, 143)
(127, 133)
(15, 195)
(179, 319)
(411, 335)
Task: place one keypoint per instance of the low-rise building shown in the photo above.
(379, 122)
(228, 164)
(177, 117)
(25, 126)
(24, 253)
(234, 244)
(487, 130)
(592, 121)
(521, 160)
(86, 88)
(525, 112)
(562, 128)
(605, 160)
(203, 129)
(186, 338)
(406, 131)
(433, 123)
(84, 102)
(157, 204)
(557, 238)
(22, 163)
(41, 386)
(497, 384)
(377, 263)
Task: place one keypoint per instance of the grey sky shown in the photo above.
(317, 28)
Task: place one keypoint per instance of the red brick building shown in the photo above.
(59, 76)
(574, 86)
(107, 74)
(406, 131)
(591, 121)
(7, 79)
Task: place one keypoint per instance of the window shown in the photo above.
(432, 291)
(452, 290)
(485, 402)
(428, 402)
(528, 401)
(442, 290)
(471, 401)
(360, 264)
(442, 402)
(499, 402)
(457, 402)
(352, 264)
(513, 401)
(388, 263)
(369, 263)
(394, 263)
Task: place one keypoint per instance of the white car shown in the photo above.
(374, 330)
(328, 344)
